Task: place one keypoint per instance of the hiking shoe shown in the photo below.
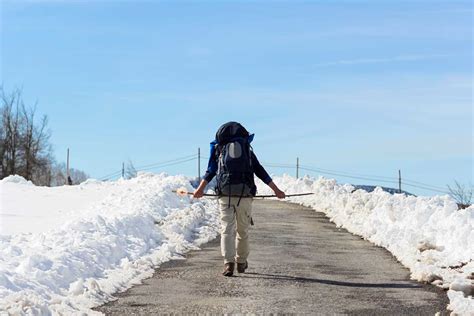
(242, 266)
(228, 269)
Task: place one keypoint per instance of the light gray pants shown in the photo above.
(235, 222)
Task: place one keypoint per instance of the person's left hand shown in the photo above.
(280, 194)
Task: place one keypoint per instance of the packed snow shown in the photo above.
(429, 235)
(70, 248)
(26, 208)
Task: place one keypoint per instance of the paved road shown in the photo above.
(300, 263)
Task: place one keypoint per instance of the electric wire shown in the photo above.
(168, 164)
(413, 183)
(344, 174)
(409, 182)
(111, 175)
(334, 173)
(425, 188)
(348, 176)
(353, 173)
(278, 165)
(164, 162)
(154, 165)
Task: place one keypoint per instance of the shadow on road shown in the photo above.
(254, 275)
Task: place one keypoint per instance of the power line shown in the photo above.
(422, 186)
(344, 174)
(154, 165)
(428, 188)
(409, 182)
(164, 162)
(331, 172)
(425, 188)
(278, 165)
(354, 174)
(168, 164)
(347, 176)
(116, 173)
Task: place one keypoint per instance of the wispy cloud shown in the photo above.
(359, 61)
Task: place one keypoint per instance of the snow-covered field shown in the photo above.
(429, 235)
(64, 250)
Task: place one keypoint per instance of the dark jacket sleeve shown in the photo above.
(259, 171)
(211, 165)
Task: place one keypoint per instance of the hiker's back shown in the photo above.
(234, 157)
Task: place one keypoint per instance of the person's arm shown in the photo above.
(210, 173)
(279, 193)
(263, 175)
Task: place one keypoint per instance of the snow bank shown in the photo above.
(16, 179)
(65, 250)
(429, 235)
(26, 208)
(108, 246)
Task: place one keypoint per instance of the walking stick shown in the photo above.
(183, 192)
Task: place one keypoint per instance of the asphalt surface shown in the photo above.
(299, 263)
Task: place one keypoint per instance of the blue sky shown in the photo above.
(365, 87)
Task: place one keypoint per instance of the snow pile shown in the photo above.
(429, 235)
(26, 208)
(107, 245)
(15, 179)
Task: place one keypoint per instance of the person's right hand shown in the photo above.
(198, 193)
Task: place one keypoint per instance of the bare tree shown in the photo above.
(44, 175)
(34, 143)
(10, 131)
(130, 171)
(461, 194)
(24, 142)
(25, 147)
(59, 175)
(78, 176)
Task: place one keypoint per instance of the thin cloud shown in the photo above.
(360, 61)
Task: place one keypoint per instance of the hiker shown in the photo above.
(234, 162)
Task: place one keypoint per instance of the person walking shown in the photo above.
(234, 163)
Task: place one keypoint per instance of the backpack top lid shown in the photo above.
(230, 130)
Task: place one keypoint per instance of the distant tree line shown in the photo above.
(25, 147)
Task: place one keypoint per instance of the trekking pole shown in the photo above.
(183, 192)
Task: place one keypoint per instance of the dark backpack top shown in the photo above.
(229, 131)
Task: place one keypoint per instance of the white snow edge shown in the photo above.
(428, 235)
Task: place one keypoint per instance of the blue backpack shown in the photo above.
(234, 161)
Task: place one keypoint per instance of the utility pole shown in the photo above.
(297, 167)
(123, 170)
(68, 173)
(399, 181)
(199, 163)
